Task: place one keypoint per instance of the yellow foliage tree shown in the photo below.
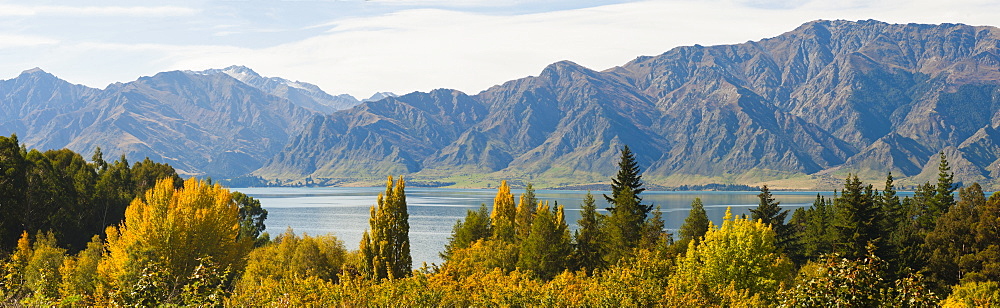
(173, 242)
(504, 213)
(273, 270)
(385, 247)
(737, 262)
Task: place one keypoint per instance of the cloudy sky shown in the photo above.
(361, 47)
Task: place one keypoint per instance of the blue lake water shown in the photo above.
(343, 212)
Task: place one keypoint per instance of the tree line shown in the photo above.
(188, 244)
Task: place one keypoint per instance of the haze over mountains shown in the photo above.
(805, 107)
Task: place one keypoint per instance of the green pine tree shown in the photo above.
(623, 229)
(587, 247)
(943, 191)
(547, 248)
(857, 218)
(525, 213)
(627, 181)
(769, 212)
(694, 227)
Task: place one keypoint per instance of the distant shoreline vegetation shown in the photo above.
(257, 181)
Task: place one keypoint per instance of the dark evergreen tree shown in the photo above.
(943, 191)
(906, 240)
(13, 186)
(252, 217)
(623, 229)
(654, 236)
(146, 172)
(115, 189)
(474, 227)
(953, 239)
(525, 212)
(769, 212)
(587, 239)
(984, 264)
(857, 218)
(547, 248)
(627, 181)
(817, 235)
(694, 228)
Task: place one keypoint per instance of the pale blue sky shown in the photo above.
(360, 47)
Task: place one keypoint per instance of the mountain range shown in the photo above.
(221, 123)
(799, 110)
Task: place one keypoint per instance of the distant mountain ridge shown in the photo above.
(813, 104)
(204, 123)
(304, 94)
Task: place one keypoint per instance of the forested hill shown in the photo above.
(203, 123)
(825, 99)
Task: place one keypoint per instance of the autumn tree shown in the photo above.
(504, 213)
(171, 243)
(741, 255)
(385, 247)
(290, 259)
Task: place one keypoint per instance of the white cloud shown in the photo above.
(154, 11)
(9, 41)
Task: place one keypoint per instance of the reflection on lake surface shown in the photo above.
(343, 212)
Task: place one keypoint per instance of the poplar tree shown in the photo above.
(171, 240)
(386, 248)
(504, 213)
